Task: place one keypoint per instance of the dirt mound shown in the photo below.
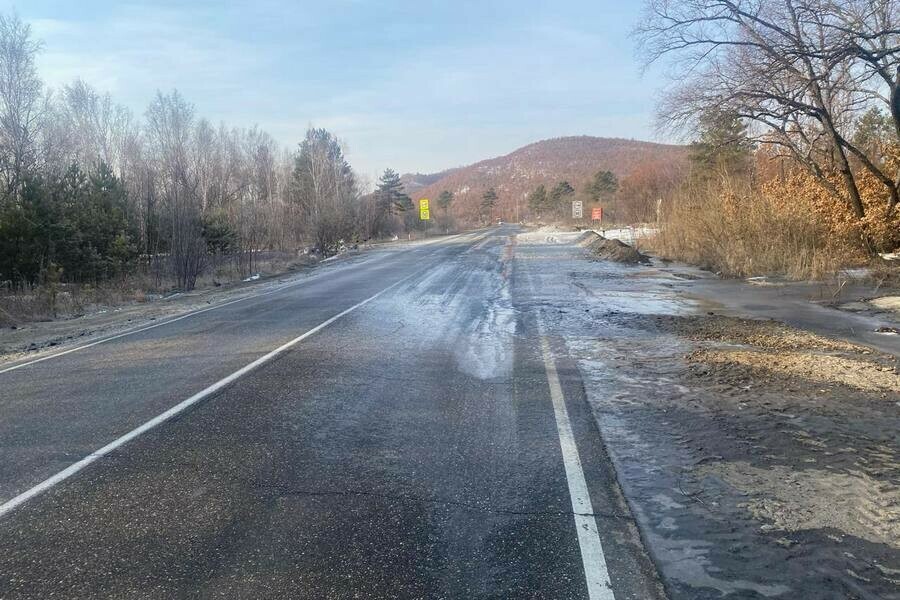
(887, 303)
(854, 503)
(748, 353)
(614, 250)
(587, 238)
(765, 335)
(786, 368)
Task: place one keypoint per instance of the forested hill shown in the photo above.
(573, 159)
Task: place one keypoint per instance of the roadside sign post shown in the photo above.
(597, 214)
(424, 213)
(577, 209)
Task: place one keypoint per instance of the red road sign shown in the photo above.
(597, 214)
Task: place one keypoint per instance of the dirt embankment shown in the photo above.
(751, 353)
(601, 248)
(824, 411)
(798, 448)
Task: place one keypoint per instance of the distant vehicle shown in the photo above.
(499, 222)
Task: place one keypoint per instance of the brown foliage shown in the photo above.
(789, 225)
(649, 181)
(739, 234)
(798, 192)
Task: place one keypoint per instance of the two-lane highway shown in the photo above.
(399, 428)
(57, 410)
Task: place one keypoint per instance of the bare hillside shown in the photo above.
(573, 159)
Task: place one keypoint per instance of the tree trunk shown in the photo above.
(854, 198)
(895, 102)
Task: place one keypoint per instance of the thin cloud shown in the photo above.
(409, 85)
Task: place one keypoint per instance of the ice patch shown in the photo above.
(687, 562)
(642, 302)
(548, 234)
(487, 353)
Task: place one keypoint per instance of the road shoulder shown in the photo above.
(771, 477)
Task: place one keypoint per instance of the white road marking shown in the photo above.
(201, 311)
(71, 470)
(595, 570)
(125, 333)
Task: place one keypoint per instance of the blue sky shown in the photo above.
(416, 86)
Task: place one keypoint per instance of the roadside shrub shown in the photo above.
(743, 233)
(789, 225)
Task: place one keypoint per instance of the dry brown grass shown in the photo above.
(858, 373)
(787, 224)
(739, 232)
(72, 300)
(764, 335)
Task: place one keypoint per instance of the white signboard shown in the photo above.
(577, 209)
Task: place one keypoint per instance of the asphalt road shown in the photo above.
(427, 437)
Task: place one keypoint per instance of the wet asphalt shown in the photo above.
(407, 450)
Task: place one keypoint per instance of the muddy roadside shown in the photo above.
(761, 459)
(790, 448)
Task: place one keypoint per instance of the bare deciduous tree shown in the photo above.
(192, 189)
(325, 189)
(170, 122)
(800, 71)
(21, 102)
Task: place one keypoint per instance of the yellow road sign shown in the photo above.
(424, 212)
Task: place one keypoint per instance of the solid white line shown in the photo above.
(125, 333)
(595, 570)
(48, 483)
(197, 312)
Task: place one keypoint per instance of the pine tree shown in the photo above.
(537, 199)
(873, 133)
(722, 147)
(603, 185)
(488, 201)
(390, 194)
(77, 222)
(445, 199)
(561, 191)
